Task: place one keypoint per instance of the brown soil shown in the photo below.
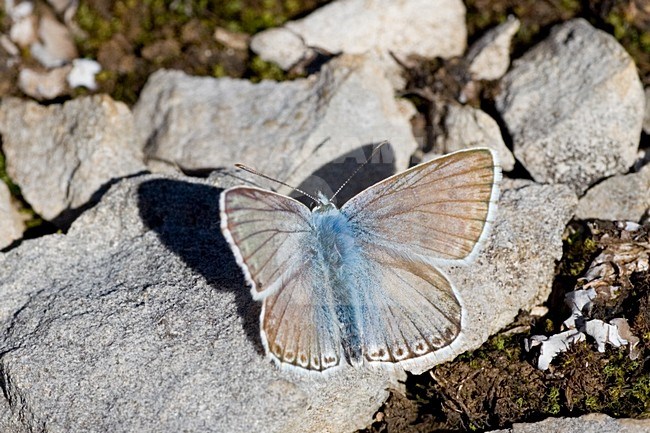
(498, 385)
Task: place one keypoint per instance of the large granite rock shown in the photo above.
(574, 107)
(285, 130)
(138, 318)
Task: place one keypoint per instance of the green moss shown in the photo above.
(619, 25)
(570, 6)
(4, 177)
(97, 28)
(552, 403)
(263, 70)
(498, 342)
(218, 71)
(627, 385)
(592, 403)
(579, 249)
(641, 392)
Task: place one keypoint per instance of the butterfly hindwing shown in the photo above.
(299, 326)
(408, 310)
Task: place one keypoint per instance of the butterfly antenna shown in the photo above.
(257, 173)
(374, 152)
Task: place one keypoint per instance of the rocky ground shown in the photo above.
(121, 306)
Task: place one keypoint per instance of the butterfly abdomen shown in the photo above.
(340, 256)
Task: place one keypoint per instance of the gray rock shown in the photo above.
(466, 127)
(574, 107)
(9, 422)
(590, 423)
(11, 222)
(621, 198)
(404, 28)
(285, 130)
(138, 320)
(516, 268)
(63, 155)
(489, 57)
(646, 118)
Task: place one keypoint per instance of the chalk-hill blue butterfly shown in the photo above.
(360, 285)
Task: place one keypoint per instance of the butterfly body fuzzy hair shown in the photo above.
(340, 258)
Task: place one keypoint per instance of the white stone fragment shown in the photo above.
(55, 46)
(9, 46)
(551, 346)
(83, 73)
(603, 333)
(20, 10)
(23, 31)
(578, 301)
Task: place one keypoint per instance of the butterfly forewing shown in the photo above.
(267, 232)
(438, 209)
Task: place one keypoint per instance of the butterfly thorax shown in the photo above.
(339, 255)
(324, 204)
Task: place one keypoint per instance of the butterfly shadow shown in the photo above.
(331, 176)
(185, 216)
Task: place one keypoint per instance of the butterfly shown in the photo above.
(360, 284)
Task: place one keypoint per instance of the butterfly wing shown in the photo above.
(408, 309)
(439, 210)
(272, 239)
(299, 326)
(267, 233)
